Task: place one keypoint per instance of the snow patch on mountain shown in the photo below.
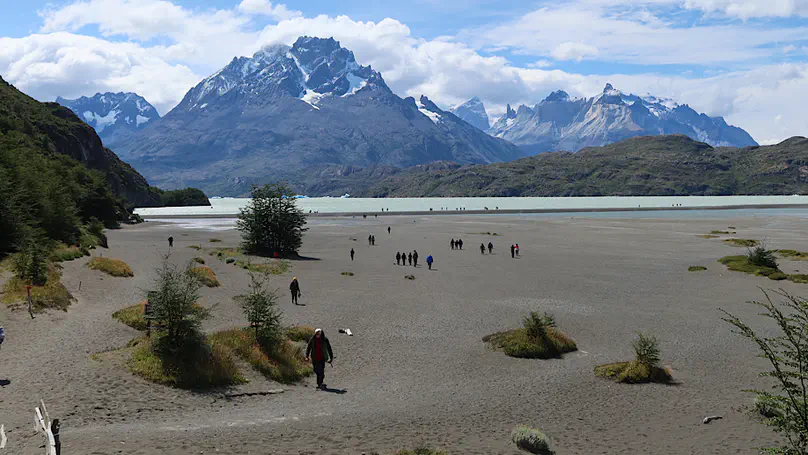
(472, 112)
(110, 113)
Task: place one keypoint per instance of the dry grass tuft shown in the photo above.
(283, 361)
(67, 253)
(517, 343)
(113, 267)
(634, 372)
(205, 276)
(300, 333)
(53, 295)
(133, 316)
(696, 268)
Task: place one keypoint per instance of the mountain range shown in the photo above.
(112, 114)
(563, 123)
(292, 112)
(472, 112)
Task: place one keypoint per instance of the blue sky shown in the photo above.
(746, 60)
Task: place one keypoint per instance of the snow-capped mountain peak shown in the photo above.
(561, 123)
(473, 112)
(111, 113)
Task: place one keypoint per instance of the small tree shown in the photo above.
(788, 355)
(271, 222)
(646, 349)
(260, 307)
(537, 325)
(761, 256)
(173, 303)
(31, 263)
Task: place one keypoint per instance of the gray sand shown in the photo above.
(416, 369)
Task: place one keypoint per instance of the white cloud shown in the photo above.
(747, 9)
(266, 8)
(541, 64)
(574, 51)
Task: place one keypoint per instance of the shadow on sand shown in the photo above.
(330, 390)
(4, 382)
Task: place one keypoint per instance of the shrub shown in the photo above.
(196, 247)
(67, 253)
(531, 440)
(538, 339)
(194, 364)
(261, 309)
(300, 332)
(133, 316)
(96, 228)
(742, 242)
(205, 276)
(173, 304)
(31, 264)
(696, 268)
(271, 222)
(281, 361)
(761, 257)
(347, 273)
(646, 349)
(113, 267)
(799, 278)
(199, 260)
(742, 264)
(767, 407)
(214, 240)
(52, 295)
(785, 351)
(778, 276)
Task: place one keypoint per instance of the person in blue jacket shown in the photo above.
(429, 261)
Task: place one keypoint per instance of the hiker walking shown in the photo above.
(170, 241)
(373, 240)
(409, 257)
(429, 261)
(370, 238)
(460, 243)
(414, 258)
(398, 258)
(513, 250)
(352, 254)
(516, 248)
(482, 248)
(452, 243)
(319, 351)
(388, 229)
(294, 288)
(490, 248)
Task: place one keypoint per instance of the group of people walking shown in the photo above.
(490, 248)
(403, 258)
(456, 244)
(515, 250)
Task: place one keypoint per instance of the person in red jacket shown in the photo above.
(319, 351)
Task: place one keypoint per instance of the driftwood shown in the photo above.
(3, 439)
(42, 424)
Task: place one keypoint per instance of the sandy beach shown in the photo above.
(416, 370)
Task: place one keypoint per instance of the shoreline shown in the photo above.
(504, 211)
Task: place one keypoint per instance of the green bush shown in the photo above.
(199, 260)
(646, 349)
(272, 223)
(640, 370)
(761, 257)
(538, 339)
(280, 361)
(347, 273)
(134, 316)
(113, 267)
(300, 333)
(531, 440)
(205, 276)
(67, 253)
(696, 268)
(31, 264)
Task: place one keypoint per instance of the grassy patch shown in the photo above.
(195, 247)
(300, 333)
(114, 267)
(793, 255)
(200, 364)
(721, 232)
(708, 236)
(224, 253)
(205, 276)
(801, 278)
(67, 253)
(214, 241)
(347, 274)
(274, 267)
(634, 372)
(531, 440)
(742, 264)
(133, 316)
(53, 295)
(283, 362)
(742, 242)
(696, 268)
(199, 260)
(517, 343)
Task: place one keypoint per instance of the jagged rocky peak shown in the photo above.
(509, 112)
(473, 112)
(110, 113)
(559, 96)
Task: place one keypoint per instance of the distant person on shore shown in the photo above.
(373, 240)
(482, 248)
(403, 258)
(388, 230)
(452, 243)
(294, 288)
(319, 351)
(170, 241)
(516, 248)
(513, 251)
(409, 257)
(398, 258)
(352, 254)
(370, 238)
(460, 243)
(429, 261)
(490, 248)
(414, 258)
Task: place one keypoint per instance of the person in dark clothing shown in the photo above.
(403, 258)
(170, 241)
(388, 229)
(319, 351)
(513, 249)
(398, 258)
(352, 254)
(452, 243)
(409, 257)
(294, 288)
(370, 238)
(414, 258)
(460, 243)
(429, 261)
(490, 248)
(373, 240)
(482, 248)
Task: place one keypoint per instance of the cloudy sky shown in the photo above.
(746, 60)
